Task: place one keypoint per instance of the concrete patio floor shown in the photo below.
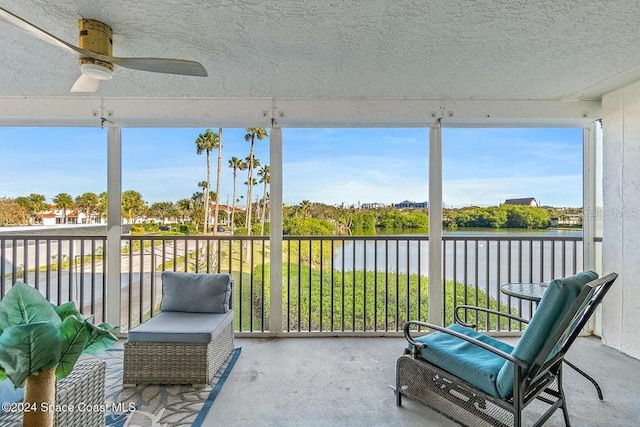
(346, 382)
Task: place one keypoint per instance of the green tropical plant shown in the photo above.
(40, 343)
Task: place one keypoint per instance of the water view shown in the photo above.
(478, 259)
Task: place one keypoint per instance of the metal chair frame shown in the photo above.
(540, 380)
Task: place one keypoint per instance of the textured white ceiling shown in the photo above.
(452, 49)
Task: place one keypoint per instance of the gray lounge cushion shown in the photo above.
(178, 327)
(196, 292)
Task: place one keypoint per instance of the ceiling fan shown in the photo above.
(94, 53)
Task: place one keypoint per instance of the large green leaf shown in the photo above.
(75, 334)
(100, 340)
(28, 349)
(107, 326)
(67, 309)
(3, 374)
(24, 304)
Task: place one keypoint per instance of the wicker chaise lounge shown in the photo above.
(192, 336)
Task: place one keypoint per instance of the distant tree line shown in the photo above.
(504, 216)
(305, 218)
(309, 218)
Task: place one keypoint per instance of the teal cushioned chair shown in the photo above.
(478, 380)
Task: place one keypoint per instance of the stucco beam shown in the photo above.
(413, 112)
(198, 112)
(135, 112)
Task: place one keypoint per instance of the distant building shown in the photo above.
(407, 204)
(56, 216)
(570, 220)
(372, 205)
(527, 201)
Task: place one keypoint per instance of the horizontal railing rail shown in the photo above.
(337, 285)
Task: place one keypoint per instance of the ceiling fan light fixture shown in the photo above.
(96, 71)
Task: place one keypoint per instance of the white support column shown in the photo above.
(589, 192)
(592, 210)
(435, 225)
(599, 204)
(275, 230)
(114, 226)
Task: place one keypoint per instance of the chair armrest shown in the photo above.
(419, 345)
(485, 310)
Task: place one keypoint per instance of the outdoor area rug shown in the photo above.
(159, 405)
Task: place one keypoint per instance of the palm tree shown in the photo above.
(305, 207)
(162, 211)
(249, 207)
(102, 207)
(215, 212)
(236, 164)
(89, 203)
(133, 205)
(184, 207)
(206, 142)
(64, 201)
(33, 204)
(250, 137)
(265, 178)
(252, 162)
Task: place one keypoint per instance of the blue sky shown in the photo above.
(480, 166)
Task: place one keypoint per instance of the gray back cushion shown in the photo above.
(196, 292)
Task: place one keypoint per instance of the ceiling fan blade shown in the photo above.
(156, 65)
(85, 84)
(162, 65)
(38, 32)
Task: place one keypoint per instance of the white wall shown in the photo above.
(621, 217)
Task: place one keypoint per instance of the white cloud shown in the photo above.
(359, 179)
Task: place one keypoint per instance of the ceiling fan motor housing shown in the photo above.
(96, 37)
